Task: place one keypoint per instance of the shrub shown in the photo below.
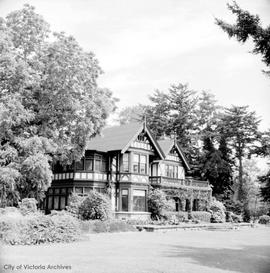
(246, 214)
(28, 206)
(264, 219)
(175, 217)
(218, 211)
(74, 203)
(95, 206)
(233, 218)
(38, 228)
(202, 216)
(157, 203)
(97, 226)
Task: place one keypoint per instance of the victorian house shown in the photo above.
(128, 160)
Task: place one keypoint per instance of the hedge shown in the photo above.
(202, 216)
(38, 228)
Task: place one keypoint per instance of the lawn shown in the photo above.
(188, 251)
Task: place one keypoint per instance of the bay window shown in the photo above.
(139, 163)
(139, 200)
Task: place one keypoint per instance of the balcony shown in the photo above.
(94, 176)
(177, 183)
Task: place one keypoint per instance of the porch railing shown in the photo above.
(167, 181)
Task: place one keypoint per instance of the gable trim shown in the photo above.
(154, 142)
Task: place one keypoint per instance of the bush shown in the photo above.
(264, 219)
(246, 214)
(218, 211)
(38, 228)
(28, 206)
(97, 226)
(95, 206)
(202, 216)
(74, 203)
(175, 217)
(157, 203)
(233, 218)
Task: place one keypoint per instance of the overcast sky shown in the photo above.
(143, 45)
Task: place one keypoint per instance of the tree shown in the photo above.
(50, 102)
(132, 114)
(174, 114)
(216, 167)
(265, 189)
(249, 26)
(240, 126)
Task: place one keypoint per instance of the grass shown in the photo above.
(188, 251)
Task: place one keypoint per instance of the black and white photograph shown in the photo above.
(134, 136)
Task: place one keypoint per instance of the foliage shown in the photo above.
(265, 189)
(50, 103)
(132, 114)
(74, 203)
(173, 113)
(233, 218)
(202, 216)
(95, 206)
(175, 217)
(38, 228)
(264, 219)
(217, 210)
(240, 126)
(248, 26)
(236, 207)
(157, 203)
(216, 166)
(28, 206)
(246, 215)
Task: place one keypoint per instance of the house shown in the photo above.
(128, 160)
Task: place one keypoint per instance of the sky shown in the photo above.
(144, 45)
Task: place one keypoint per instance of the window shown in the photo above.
(78, 190)
(100, 164)
(136, 162)
(87, 190)
(172, 171)
(139, 200)
(124, 194)
(79, 165)
(56, 202)
(143, 164)
(89, 164)
(62, 202)
(125, 163)
(139, 163)
(50, 202)
(113, 164)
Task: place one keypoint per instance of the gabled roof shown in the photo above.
(166, 146)
(119, 138)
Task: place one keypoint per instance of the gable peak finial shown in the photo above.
(144, 121)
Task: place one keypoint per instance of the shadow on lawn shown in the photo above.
(249, 259)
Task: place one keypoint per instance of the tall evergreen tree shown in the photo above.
(248, 26)
(241, 129)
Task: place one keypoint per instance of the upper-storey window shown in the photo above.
(125, 162)
(89, 164)
(139, 164)
(171, 171)
(79, 165)
(100, 164)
